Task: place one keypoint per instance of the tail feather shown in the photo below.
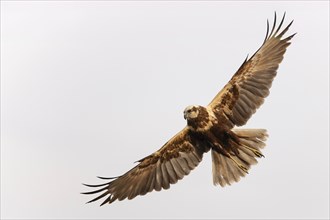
(230, 168)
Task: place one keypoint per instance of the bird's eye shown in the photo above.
(189, 111)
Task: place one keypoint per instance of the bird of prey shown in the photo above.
(210, 128)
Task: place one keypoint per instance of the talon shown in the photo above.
(256, 152)
(243, 168)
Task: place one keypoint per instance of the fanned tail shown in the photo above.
(230, 168)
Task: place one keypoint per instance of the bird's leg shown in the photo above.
(255, 151)
(218, 148)
(224, 152)
(242, 167)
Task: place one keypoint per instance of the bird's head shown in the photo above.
(191, 112)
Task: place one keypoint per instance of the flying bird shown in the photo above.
(210, 128)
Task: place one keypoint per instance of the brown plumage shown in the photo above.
(212, 127)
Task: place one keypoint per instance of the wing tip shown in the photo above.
(100, 196)
(107, 200)
(274, 33)
(107, 178)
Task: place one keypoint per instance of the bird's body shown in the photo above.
(210, 128)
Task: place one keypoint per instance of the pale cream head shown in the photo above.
(191, 112)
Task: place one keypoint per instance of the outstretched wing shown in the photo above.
(157, 171)
(246, 90)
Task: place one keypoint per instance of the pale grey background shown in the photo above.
(87, 88)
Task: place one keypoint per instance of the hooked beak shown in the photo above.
(184, 115)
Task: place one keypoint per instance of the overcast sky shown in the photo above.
(87, 88)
